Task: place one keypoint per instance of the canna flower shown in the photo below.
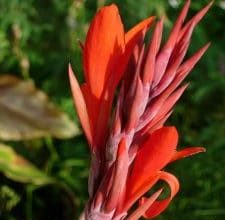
(105, 57)
(129, 144)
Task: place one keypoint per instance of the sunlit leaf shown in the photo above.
(26, 112)
(17, 168)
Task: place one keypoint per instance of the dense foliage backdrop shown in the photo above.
(37, 41)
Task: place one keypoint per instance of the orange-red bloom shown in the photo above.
(105, 55)
(130, 150)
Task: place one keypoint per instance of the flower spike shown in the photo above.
(129, 144)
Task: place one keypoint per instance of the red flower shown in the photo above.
(105, 55)
(130, 150)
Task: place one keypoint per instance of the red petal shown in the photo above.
(98, 111)
(187, 152)
(80, 105)
(133, 196)
(133, 33)
(159, 206)
(133, 37)
(155, 153)
(103, 48)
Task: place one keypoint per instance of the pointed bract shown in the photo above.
(80, 105)
(165, 53)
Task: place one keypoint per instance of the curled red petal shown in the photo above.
(144, 207)
(159, 206)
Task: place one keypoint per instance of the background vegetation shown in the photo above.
(37, 40)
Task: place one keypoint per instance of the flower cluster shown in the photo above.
(129, 144)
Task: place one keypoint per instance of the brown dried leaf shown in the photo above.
(26, 113)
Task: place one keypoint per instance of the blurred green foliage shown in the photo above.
(39, 38)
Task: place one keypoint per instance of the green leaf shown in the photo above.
(17, 168)
(8, 198)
